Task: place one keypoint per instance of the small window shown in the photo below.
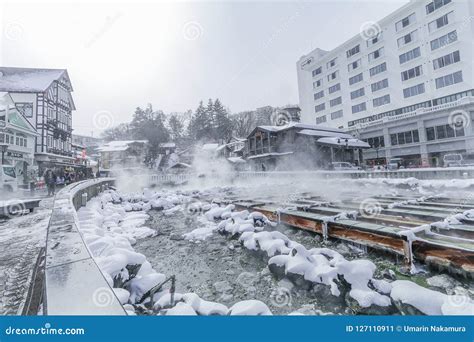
(430, 133)
(353, 51)
(393, 139)
(401, 138)
(332, 76)
(331, 63)
(317, 71)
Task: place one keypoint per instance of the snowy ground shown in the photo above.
(21, 239)
(229, 262)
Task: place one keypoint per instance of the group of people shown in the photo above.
(53, 178)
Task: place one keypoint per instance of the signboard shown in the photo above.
(15, 155)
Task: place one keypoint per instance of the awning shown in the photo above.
(319, 133)
(340, 142)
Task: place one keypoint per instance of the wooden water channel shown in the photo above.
(448, 249)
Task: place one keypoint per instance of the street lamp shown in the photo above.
(3, 148)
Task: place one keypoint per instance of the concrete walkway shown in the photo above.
(21, 240)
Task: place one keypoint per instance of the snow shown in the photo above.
(430, 302)
(122, 295)
(118, 145)
(427, 301)
(28, 80)
(342, 142)
(199, 234)
(181, 309)
(111, 223)
(250, 307)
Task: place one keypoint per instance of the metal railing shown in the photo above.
(422, 173)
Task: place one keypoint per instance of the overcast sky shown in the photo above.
(174, 54)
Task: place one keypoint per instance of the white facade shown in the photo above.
(441, 31)
(43, 97)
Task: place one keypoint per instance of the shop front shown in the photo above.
(17, 138)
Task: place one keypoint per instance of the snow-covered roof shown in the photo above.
(299, 125)
(272, 154)
(168, 145)
(319, 133)
(28, 79)
(342, 142)
(236, 160)
(180, 165)
(119, 145)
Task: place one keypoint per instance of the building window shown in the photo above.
(430, 133)
(334, 88)
(25, 108)
(336, 101)
(440, 22)
(357, 93)
(376, 142)
(447, 39)
(331, 63)
(403, 138)
(448, 80)
(319, 95)
(374, 40)
(333, 76)
(336, 115)
(443, 61)
(413, 91)
(436, 4)
(443, 132)
(354, 65)
(321, 119)
(317, 71)
(359, 108)
(412, 73)
(408, 56)
(407, 39)
(405, 22)
(356, 79)
(376, 54)
(380, 101)
(317, 84)
(353, 51)
(378, 69)
(452, 98)
(379, 85)
(320, 107)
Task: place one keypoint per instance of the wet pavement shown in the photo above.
(21, 240)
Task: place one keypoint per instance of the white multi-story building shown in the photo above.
(395, 77)
(43, 97)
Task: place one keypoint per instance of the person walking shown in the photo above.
(50, 180)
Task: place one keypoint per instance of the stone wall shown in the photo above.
(74, 284)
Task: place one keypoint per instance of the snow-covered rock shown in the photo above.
(249, 307)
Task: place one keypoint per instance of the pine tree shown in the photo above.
(200, 127)
(222, 122)
(176, 126)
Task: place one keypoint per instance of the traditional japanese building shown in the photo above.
(299, 146)
(43, 97)
(123, 154)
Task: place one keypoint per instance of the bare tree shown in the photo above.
(243, 123)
